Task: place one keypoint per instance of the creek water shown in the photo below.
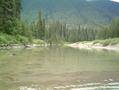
(59, 68)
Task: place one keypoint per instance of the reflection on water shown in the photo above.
(58, 68)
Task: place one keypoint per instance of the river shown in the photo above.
(59, 68)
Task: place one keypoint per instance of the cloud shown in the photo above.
(115, 0)
(102, 0)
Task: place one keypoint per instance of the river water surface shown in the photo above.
(59, 68)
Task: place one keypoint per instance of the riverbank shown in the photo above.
(18, 46)
(108, 44)
(14, 43)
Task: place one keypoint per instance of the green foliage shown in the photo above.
(38, 41)
(26, 31)
(18, 30)
(40, 27)
(2, 40)
(9, 39)
(54, 33)
(107, 42)
(9, 12)
(12, 29)
(114, 27)
(112, 31)
(22, 39)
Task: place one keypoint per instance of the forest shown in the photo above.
(14, 30)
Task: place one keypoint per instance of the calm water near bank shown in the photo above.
(59, 68)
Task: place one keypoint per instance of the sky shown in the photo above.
(115, 0)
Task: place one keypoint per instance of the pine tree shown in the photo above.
(18, 8)
(9, 12)
(40, 26)
(1, 15)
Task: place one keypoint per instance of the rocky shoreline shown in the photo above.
(15, 46)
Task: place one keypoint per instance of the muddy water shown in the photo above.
(59, 68)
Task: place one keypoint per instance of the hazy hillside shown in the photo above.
(89, 12)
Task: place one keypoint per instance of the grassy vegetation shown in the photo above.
(107, 42)
(9, 39)
(38, 41)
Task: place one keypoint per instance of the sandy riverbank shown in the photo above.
(91, 45)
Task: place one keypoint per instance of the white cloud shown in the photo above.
(102, 0)
(115, 0)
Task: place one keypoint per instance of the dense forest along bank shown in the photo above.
(58, 68)
(108, 44)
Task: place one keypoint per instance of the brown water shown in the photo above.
(59, 68)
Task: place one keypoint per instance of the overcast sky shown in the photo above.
(115, 0)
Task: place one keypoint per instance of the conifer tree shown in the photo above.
(40, 26)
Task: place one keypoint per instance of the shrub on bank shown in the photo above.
(107, 42)
(9, 39)
(38, 41)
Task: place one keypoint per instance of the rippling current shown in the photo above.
(88, 86)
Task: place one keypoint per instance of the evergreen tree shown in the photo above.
(1, 15)
(9, 12)
(40, 27)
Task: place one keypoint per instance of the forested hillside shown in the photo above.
(93, 12)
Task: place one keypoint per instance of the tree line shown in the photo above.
(56, 32)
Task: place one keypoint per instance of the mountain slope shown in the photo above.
(85, 12)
